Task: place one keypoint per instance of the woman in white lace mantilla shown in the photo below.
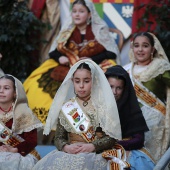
(83, 106)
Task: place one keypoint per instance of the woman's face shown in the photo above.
(80, 15)
(7, 92)
(82, 81)
(142, 50)
(117, 86)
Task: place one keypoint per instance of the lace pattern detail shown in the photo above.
(62, 160)
(156, 67)
(17, 161)
(102, 110)
(23, 118)
(65, 123)
(6, 117)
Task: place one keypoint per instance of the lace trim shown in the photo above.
(156, 67)
(101, 110)
(28, 129)
(6, 117)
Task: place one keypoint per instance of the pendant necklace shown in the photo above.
(85, 102)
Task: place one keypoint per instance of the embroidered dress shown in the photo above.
(20, 125)
(77, 124)
(152, 86)
(96, 44)
(61, 160)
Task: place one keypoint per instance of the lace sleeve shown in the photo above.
(61, 137)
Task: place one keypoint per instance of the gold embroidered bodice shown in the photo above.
(65, 134)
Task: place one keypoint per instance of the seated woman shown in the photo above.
(18, 127)
(149, 71)
(133, 124)
(83, 103)
(85, 35)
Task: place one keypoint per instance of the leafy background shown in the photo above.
(20, 37)
(160, 11)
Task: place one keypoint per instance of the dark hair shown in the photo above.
(117, 77)
(82, 2)
(9, 77)
(84, 66)
(146, 34)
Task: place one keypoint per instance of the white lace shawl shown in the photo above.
(101, 96)
(23, 118)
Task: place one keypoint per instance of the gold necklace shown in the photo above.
(85, 102)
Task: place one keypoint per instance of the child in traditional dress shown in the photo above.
(18, 127)
(83, 105)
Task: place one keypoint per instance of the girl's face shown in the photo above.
(80, 15)
(7, 92)
(117, 86)
(142, 50)
(82, 81)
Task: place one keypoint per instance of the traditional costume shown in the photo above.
(151, 83)
(133, 124)
(96, 44)
(18, 128)
(78, 123)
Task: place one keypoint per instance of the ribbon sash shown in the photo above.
(78, 120)
(149, 98)
(7, 137)
(145, 96)
(12, 139)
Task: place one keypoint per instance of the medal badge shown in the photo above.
(78, 119)
(4, 133)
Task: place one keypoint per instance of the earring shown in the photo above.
(151, 56)
(88, 21)
(75, 93)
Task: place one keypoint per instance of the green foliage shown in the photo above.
(20, 33)
(160, 11)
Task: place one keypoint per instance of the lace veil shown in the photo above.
(101, 96)
(99, 28)
(23, 118)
